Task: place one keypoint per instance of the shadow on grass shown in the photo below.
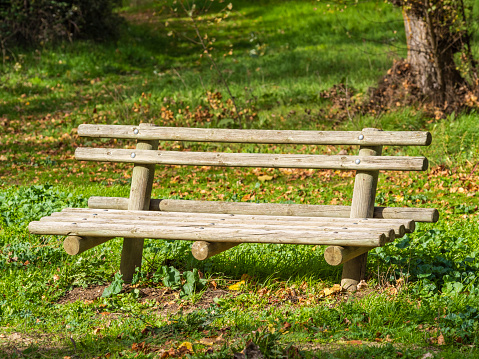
(310, 53)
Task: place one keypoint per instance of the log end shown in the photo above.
(200, 250)
(71, 245)
(425, 164)
(428, 139)
(334, 255)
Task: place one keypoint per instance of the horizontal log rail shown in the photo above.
(210, 234)
(391, 163)
(388, 138)
(373, 227)
(274, 209)
(86, 213)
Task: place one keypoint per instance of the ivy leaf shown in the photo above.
(171, 276)
(115, 287)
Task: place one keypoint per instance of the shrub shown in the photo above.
(42, 21)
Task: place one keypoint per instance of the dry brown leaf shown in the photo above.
(265, 178)
(334, 289)
(354, 342)
(213, 284)
(185, 345)
(440, 340)
(212, 340)
(362, 285)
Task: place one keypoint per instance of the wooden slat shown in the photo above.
(274, 209)
(393, 163)
(392, 231)
(82, 212)
(210, 234)
(397, 138)
(399, 226)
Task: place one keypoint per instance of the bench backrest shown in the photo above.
(148, 133)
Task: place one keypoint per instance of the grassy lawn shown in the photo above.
(276, 58)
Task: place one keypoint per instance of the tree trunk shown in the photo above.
(431, 47)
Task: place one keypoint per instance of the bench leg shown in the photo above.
(140, 195)
(362, 206)
(354, 271)
(131, 256)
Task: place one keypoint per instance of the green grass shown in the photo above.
(422, 289)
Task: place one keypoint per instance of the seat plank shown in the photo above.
(399, 226)
(274, 209)
(85, 213)
(397, 230)
(241, 234)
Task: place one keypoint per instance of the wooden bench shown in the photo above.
(350, 231)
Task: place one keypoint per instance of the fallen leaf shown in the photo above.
(392, 291)
(237, 286)
(212, 340)
(334, 289)
(265, 178)
(362, 285)
(354, 342)
(440, 340)
(186, 345)
(213, 284)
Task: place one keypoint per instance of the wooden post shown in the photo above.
(362, 206)
(140, 195)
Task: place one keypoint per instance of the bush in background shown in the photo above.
(41, 21)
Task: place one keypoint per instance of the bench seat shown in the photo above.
(211, 227)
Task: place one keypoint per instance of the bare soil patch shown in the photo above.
(167, 300)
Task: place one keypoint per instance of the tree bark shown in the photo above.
(431, 47)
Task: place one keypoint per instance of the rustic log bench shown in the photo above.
(350, 231)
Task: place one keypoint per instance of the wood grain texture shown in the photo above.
(202, 250)
(393, 138)
(221, 220)
(74, 245)
(369, 163)
(362, 206)
(275, 209)
(238, 234)
(390, 230)
(337, 255)
(140, 194)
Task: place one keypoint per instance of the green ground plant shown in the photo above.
(422, 294)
